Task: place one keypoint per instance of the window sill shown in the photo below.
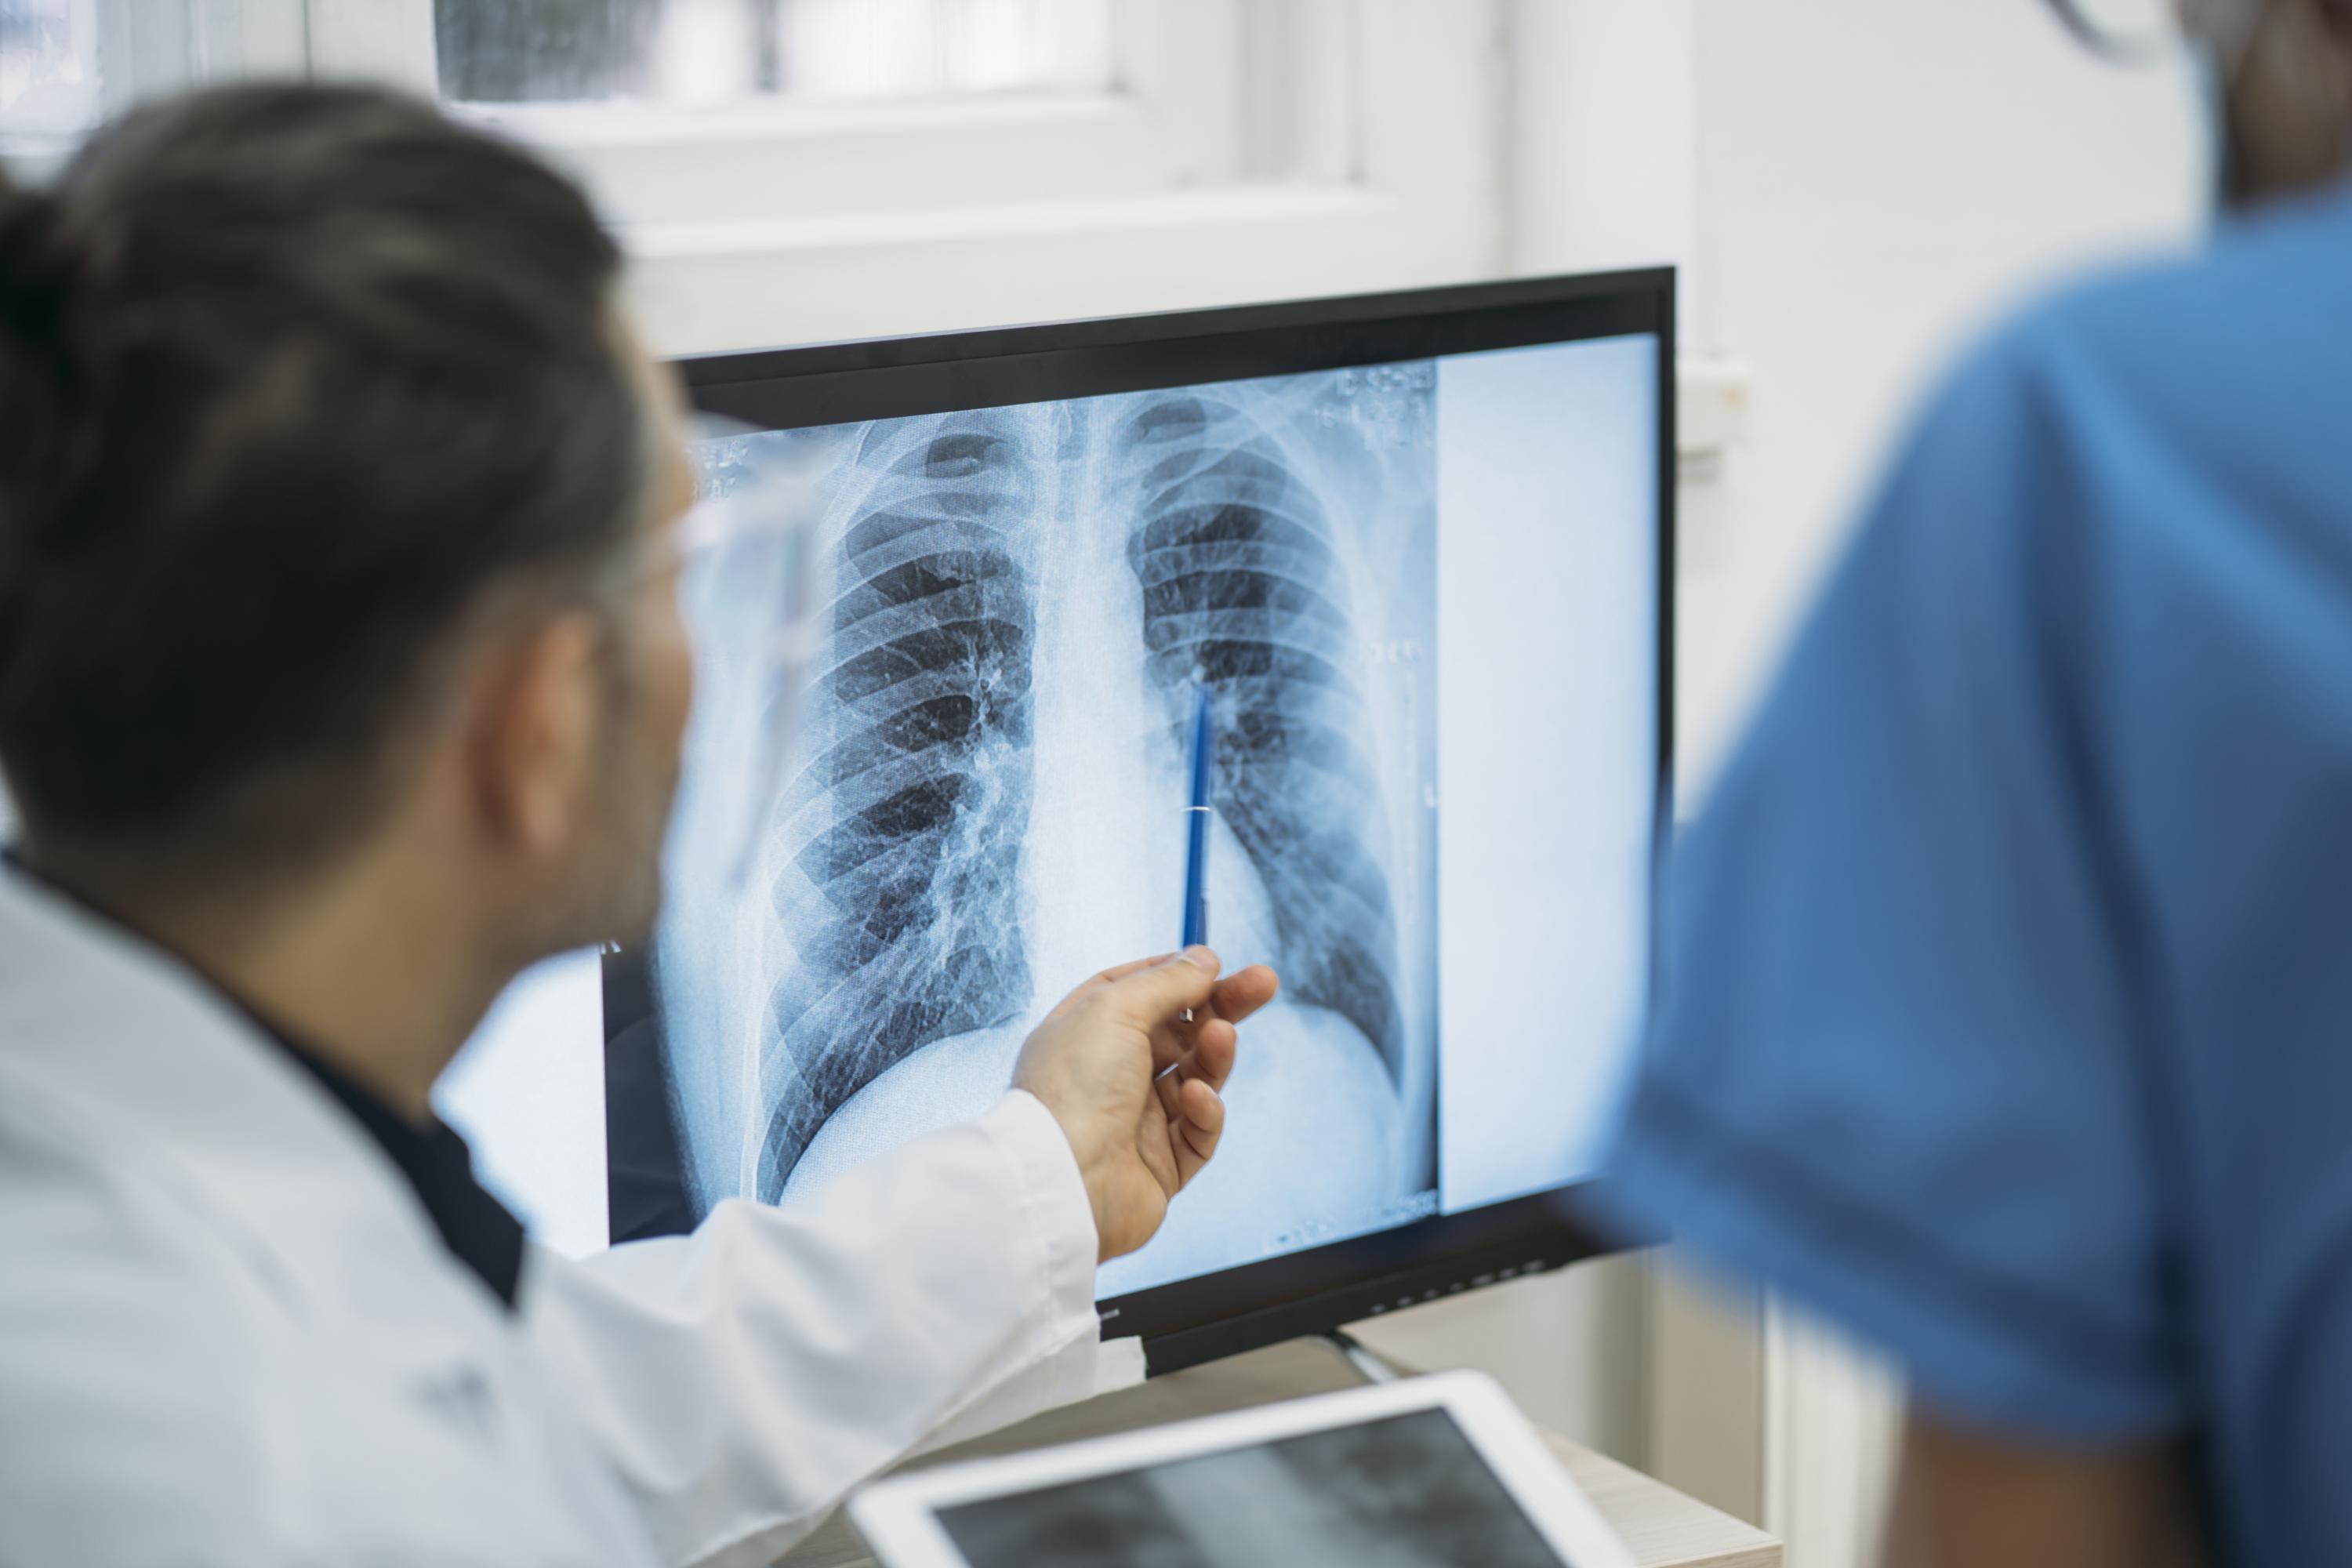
(604, 126)
(1182, 210)
(704, 288)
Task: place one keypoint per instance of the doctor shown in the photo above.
(2008, 988)
(341, 677)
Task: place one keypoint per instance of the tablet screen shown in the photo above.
(1403, 1493)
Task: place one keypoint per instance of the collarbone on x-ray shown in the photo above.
(987, 802)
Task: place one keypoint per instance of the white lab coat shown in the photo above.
(229, 1333)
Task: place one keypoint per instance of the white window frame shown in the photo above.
(1415, 199)
(1420, 204)
(1172, 119)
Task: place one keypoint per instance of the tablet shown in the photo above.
(1426, 1471)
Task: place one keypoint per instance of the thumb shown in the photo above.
(1151, 996)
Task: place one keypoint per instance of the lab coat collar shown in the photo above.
(145, 1056)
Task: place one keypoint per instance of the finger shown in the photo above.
(1175, 1036)
(1160, 1148)
(1172, 1038)
(1118, 972)
(1106, 978)
(1152, 997)
(1198, 1128)
(1168, 1081)
(1210, 1061)
(1202, 1046)
(1170, 1089)
(1239, 996)
(1215, 1043)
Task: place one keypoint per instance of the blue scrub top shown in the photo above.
(2008, 975)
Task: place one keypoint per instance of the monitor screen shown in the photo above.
(1414, 550)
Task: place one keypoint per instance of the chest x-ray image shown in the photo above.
(985, 800)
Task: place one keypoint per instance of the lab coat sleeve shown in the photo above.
(742, 1381)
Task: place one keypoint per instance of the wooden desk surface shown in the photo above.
(1662, 1528)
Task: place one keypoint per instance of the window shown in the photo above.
(65, 64)
(789, 170)
(694, 111)
(48, 67)
(800, 51)
(784, 171)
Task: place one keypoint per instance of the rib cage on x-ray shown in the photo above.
(1254, 533)
(903, 832)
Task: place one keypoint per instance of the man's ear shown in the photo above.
(536, 724)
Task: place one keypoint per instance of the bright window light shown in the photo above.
(49, 67)
(728, 51)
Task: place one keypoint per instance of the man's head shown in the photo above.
(331, 488)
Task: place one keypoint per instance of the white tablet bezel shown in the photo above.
(898, 1517)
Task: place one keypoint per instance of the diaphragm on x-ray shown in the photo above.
(985, 798)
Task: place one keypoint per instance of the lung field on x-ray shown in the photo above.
(1007, 576)
(1244, 591)
(904, 833)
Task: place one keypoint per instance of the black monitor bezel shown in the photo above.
(1323, 1288)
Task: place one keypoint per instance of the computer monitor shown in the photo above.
(1417, 549)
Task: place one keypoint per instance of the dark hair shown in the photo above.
(291, 380)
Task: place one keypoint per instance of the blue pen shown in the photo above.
(1196, 824)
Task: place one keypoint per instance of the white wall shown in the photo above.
(1878, 179)
(1603, 133)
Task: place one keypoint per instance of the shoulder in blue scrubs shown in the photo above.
(2008, 1013)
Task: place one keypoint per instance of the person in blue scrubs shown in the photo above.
(2007, 1014)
